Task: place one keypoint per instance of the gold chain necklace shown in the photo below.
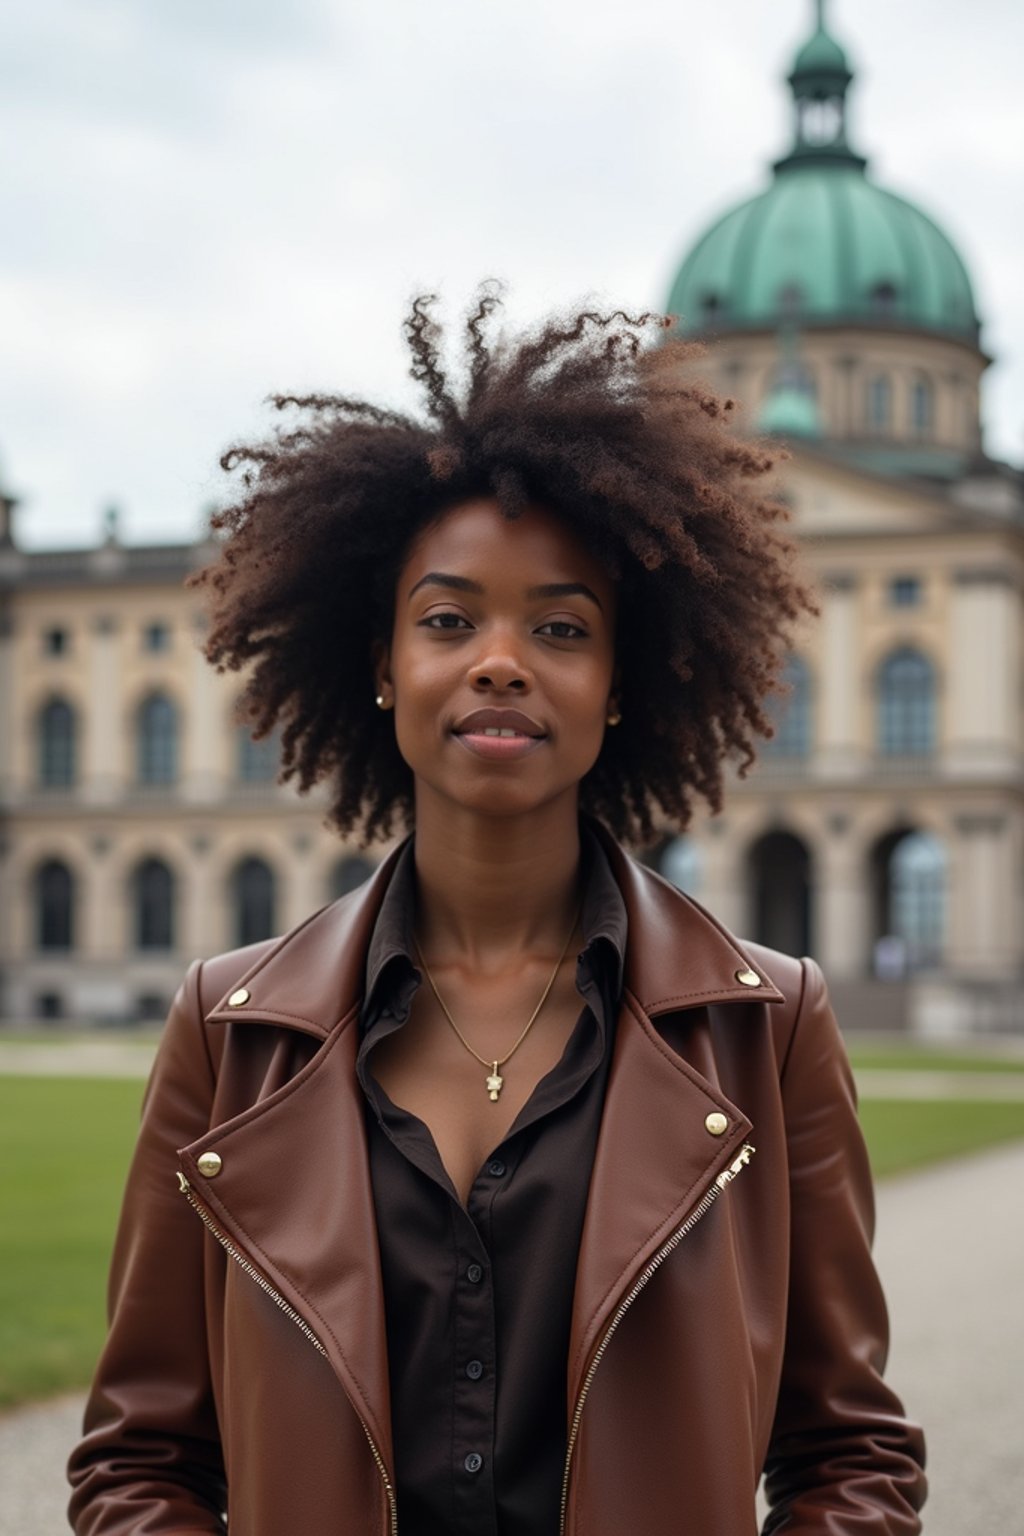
(495, 1081)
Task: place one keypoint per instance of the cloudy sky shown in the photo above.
(207, 200)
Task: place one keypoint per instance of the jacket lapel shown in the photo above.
(293, 1191)
(656, 1156)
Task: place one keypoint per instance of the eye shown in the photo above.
(444, 620)
(561, 629)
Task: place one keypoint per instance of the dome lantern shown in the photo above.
(819, 80)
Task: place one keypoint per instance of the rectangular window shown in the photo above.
(905, 592)
(55, 642)
(156, 638)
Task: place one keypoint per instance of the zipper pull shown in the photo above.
(183, 1184)
(728, 1174)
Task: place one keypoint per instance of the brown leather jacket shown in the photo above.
(727, 1316)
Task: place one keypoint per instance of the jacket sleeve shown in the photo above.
(843, 1458)
(150, 1458)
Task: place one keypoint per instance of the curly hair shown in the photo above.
(596, 416)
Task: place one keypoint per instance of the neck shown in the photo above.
(490, 889)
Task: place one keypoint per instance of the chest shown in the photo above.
(425, 1068)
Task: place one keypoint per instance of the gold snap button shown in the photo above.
(748, 978)
(716, 1123)
(238, 998)
(209, 1164)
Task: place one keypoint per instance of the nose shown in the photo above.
(501, 666)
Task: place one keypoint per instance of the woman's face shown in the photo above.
(500, 626)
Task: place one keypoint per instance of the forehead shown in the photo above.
(475, 539)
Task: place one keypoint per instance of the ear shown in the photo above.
(380, 654)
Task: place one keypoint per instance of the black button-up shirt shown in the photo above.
(478, 1298)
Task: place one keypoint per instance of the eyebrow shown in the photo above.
(548, 589)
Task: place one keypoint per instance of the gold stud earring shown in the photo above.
(382, 702)
(613, 716)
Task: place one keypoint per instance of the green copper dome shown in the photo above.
(821, 53)
(823, 244)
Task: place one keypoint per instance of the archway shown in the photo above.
(254, 900)
(348, 873)
(909, 883)
(779, 870)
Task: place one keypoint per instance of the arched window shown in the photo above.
(348, 873)
(680, 862)
(153, 902)
(157, 740)
(253, 898)
(917, 897)
(791, 713)
(922, 407)
(56, 745)
(54, 903)
(879, 403)
(257, 762)
(906, 705)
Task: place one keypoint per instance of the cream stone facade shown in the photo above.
(98, 810)
(806, 853)
(840, 368)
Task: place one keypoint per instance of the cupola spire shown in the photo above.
(819, 81)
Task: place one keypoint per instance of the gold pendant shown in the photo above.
(494, 1084)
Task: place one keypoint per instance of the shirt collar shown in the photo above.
(603, 918)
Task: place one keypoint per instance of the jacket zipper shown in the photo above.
(701, 1209)
(300, 1322)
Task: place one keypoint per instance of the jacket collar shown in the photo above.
(603, 923)
(677, 955)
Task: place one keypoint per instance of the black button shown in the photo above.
(473, 1462)
(496, 1167)
(474, 1274)
(474, 1369)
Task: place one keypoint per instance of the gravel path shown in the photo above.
(78, 1058)
(951, 1252)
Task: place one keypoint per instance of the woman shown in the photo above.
(445, 1215)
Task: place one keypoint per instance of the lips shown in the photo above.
(482, 722)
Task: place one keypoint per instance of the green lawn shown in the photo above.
(927, 1058)
(64, 1150)
(904, 1133)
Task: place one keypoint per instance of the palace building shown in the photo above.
(883, 828)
